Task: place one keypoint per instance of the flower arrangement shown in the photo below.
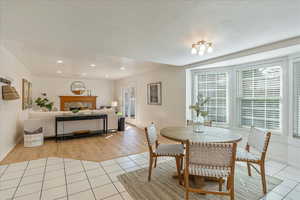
(198, 107)
(43, 102)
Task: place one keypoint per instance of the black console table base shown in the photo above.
(64, 118)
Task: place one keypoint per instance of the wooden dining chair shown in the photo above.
(215, 160)
(259, 141)
(162, 150)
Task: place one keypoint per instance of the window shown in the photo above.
(296, 73)
(260, 97)
(129, 102)
(214, 86)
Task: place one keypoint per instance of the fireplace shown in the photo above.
(77, 102)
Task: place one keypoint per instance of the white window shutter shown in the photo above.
(296, 73)
(261, 97)
(212, 85)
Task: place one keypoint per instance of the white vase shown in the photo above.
(43, 109)
(198, 124)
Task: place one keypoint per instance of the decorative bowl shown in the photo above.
(74, 111)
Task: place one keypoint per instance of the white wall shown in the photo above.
(172, 110)
(55, 87)
(11, 114)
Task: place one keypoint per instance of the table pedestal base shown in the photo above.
(199, 181)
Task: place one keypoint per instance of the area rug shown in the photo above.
(164, 187)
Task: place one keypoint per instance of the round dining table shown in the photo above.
(208, 135)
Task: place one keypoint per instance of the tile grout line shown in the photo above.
(132, 160)
(118, 180)
(4, 170)
(290, 191)
(286, 166)
(26, 184)
(107, 174)
(78, 181)
(87, 179)
(86, 189)
(118, 163)
(20, 180)
(276, 174)
(85, 170)
(44, 174)
(66, 179)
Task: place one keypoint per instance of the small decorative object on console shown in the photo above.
(75, 111)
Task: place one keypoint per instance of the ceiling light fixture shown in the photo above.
(84, 74)
(59, 72)
(60, 61)
(106, 75)
(201, 53)
(122, 68)
(209, 47)
(194, 49)
(201, 47)
(92, 65)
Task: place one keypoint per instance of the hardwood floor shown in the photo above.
(98, 148)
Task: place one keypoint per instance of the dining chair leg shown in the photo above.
(178, 160)
(186, 185)
(231, 188)
(263, 177)
(186, 194)
(249, 168)
(181, 163)
(150, 167)
(228, 183)
(220, 184)
(155, 162)
(232, 194)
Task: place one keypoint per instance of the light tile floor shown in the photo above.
(69, 179)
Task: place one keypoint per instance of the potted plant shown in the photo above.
(198, 108)
(44, 103)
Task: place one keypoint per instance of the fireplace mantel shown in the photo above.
(77, 99)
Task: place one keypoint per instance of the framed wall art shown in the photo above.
(154, 93)
(26, 94)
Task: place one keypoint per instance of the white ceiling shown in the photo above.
(108, 33)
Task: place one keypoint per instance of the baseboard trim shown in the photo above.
(11, 148)
(131, 124)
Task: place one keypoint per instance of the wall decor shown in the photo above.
(154, 93)
(30, 99)
(78, 87)
(8, 91)
(26, 94)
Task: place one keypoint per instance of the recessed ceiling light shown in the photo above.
(83, 74)
(60, 61)
(106, 76)
(59, 71)
(92, 65)
(122, 68)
